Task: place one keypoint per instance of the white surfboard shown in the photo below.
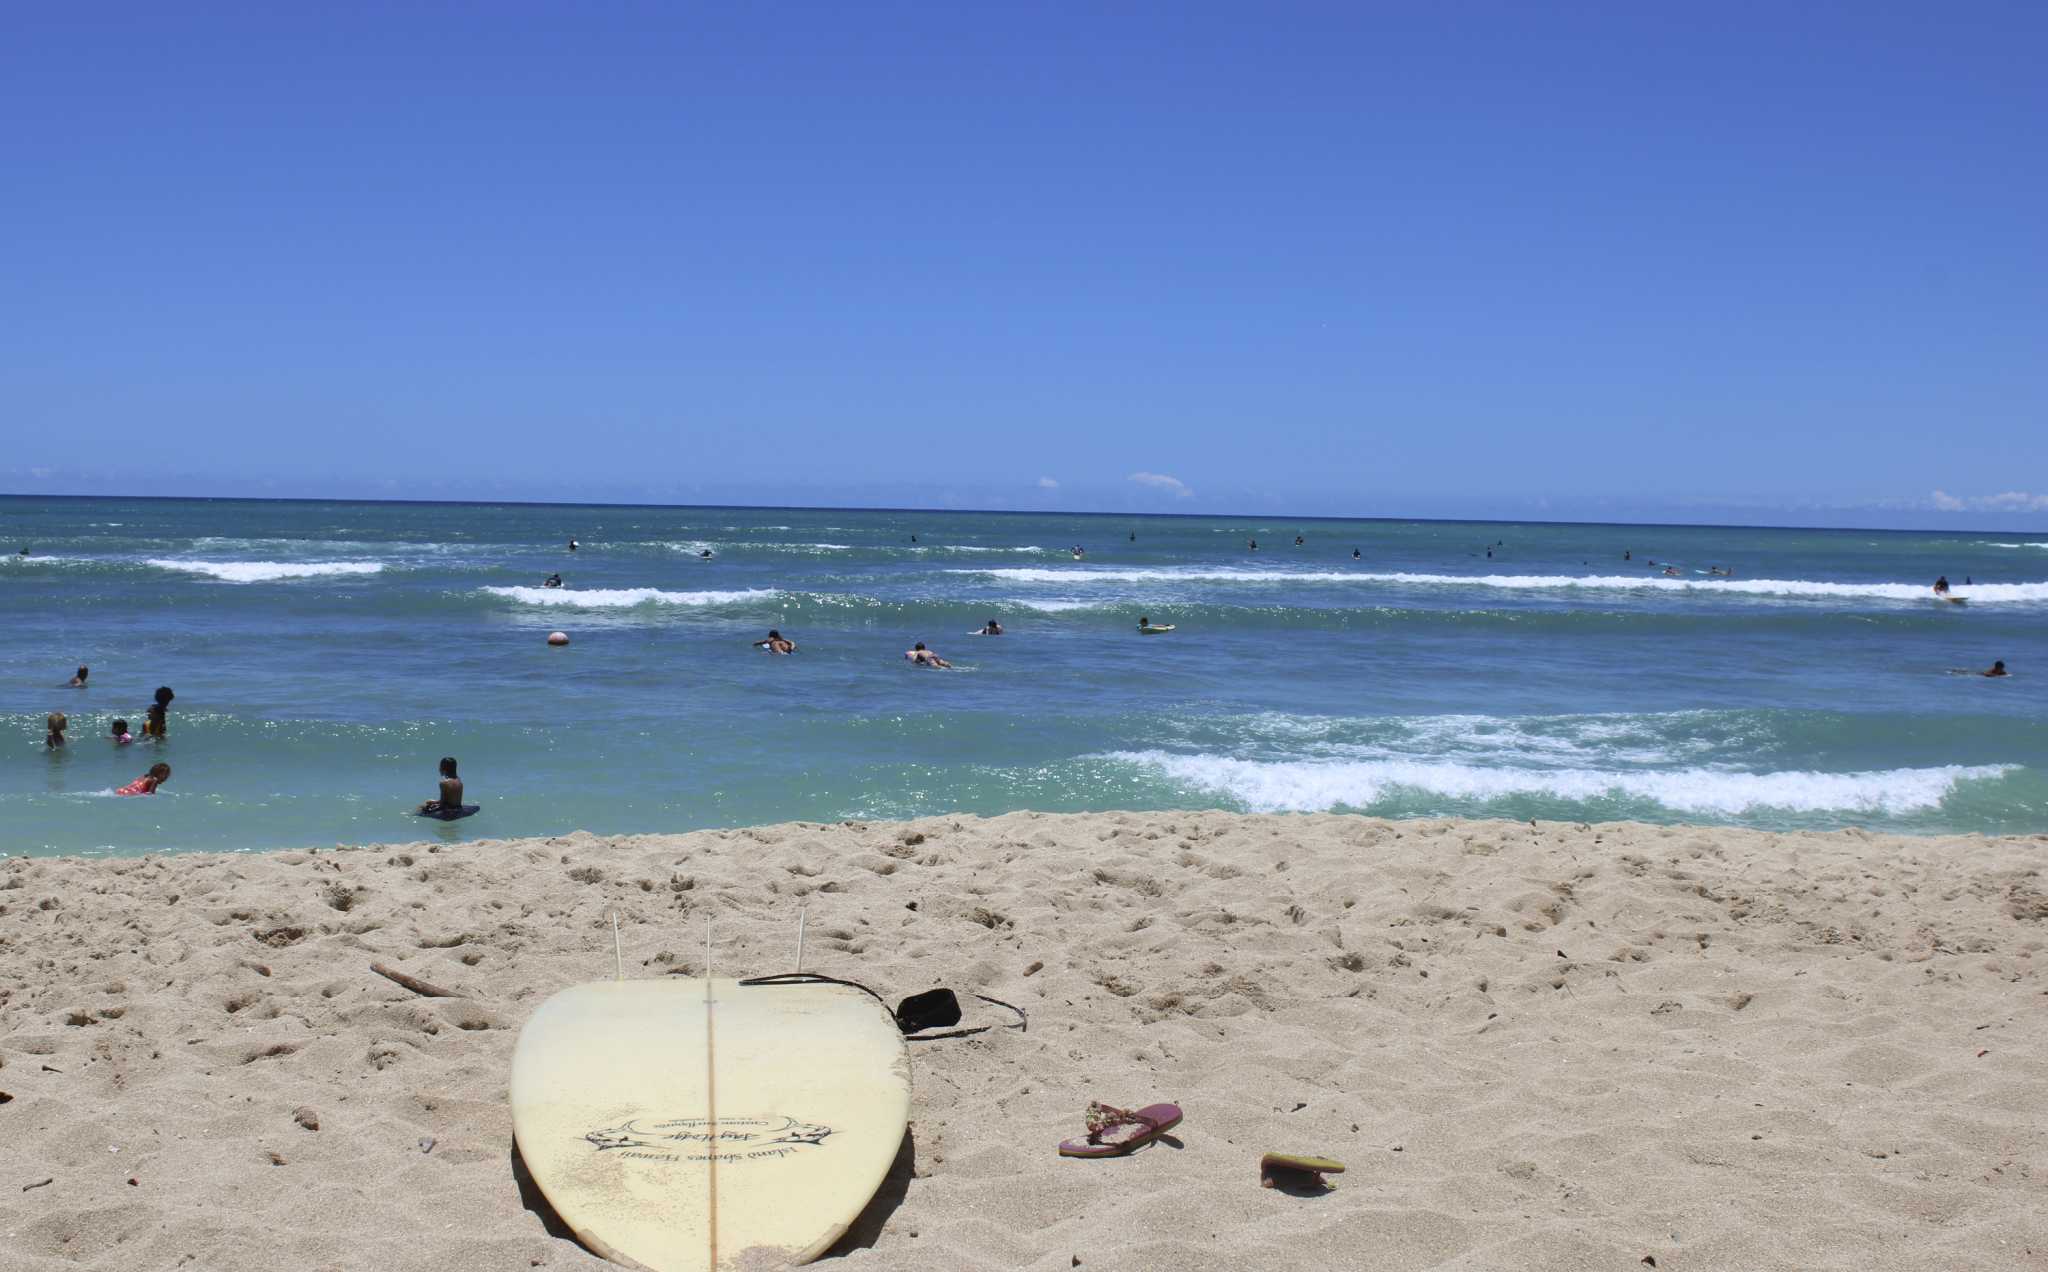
(682, 1125)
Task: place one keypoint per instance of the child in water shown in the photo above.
(120, 733)
(56, 722)
(148, 783)
(450, 803)
(155, 720)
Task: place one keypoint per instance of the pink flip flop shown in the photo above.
(1113, 1132)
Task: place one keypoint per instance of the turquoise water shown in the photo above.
(325, 655)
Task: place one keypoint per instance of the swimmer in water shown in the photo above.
(993, 629)
(1252, 544)
(450, 802)
(572, 545)
(705, 555)
(1670, 571)
(156, 720)
(1079, 552)
(552, 580)
(776, 643)
(148, 783)
(1354, 554)
(1941, 586)
(1997, 669)
(56, 721)
(1298, 541)
(120, 733)
(78, 681)
(922, 657)
(1625, 555)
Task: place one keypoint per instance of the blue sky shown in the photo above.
(1621, 260)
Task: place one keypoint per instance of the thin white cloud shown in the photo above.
(2004, 501)
(1047, 483)
(1160, 481)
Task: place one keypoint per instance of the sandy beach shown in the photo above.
(1538, 1045)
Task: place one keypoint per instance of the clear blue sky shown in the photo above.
(1337, 258)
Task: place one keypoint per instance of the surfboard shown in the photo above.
(461, 811)
(1154, 631)
(686, 1125)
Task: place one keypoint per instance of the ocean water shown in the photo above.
(325, 655)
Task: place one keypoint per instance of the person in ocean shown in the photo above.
(1626, 556)
(1079, 552)
(1670, 571)
(120, 733)
(993, 629)
(922, 657)
(55, 722)
(148, 783)
(1941, 586)
(552, 580)
(1251, 545)
(1298, 541)
(1997, 669)
(78, 681)
(450, 802)
(572, 545)
(156, 719)
(776, 643)
(1354, 554)
(705, 555)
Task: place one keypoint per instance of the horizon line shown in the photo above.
(999, 512)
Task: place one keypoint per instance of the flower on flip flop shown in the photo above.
(1103, 1118)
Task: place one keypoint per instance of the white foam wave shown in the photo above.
(266, 571)
(1284, 786)
(626, 597)
(1987, 543)
(1982, 592)
(1051, 607)
(964, 547)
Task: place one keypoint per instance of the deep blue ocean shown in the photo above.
(325, 655)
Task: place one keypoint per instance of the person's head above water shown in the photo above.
(914, 648)
(1998, 668)
(120, 728)
(447, 766)
(164, 695)
(83, 671)
(161, 772)
(57, 721)
(773, 634)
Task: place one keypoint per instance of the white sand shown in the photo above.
(1556, 1047)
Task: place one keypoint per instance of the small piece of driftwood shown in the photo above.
(414, 983)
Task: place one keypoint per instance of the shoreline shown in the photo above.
(1555, 1044)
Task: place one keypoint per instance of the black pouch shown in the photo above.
(933, 1009)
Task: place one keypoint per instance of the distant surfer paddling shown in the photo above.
(1941, 586)
(992, 629)
(776, 643)
(919, 656)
